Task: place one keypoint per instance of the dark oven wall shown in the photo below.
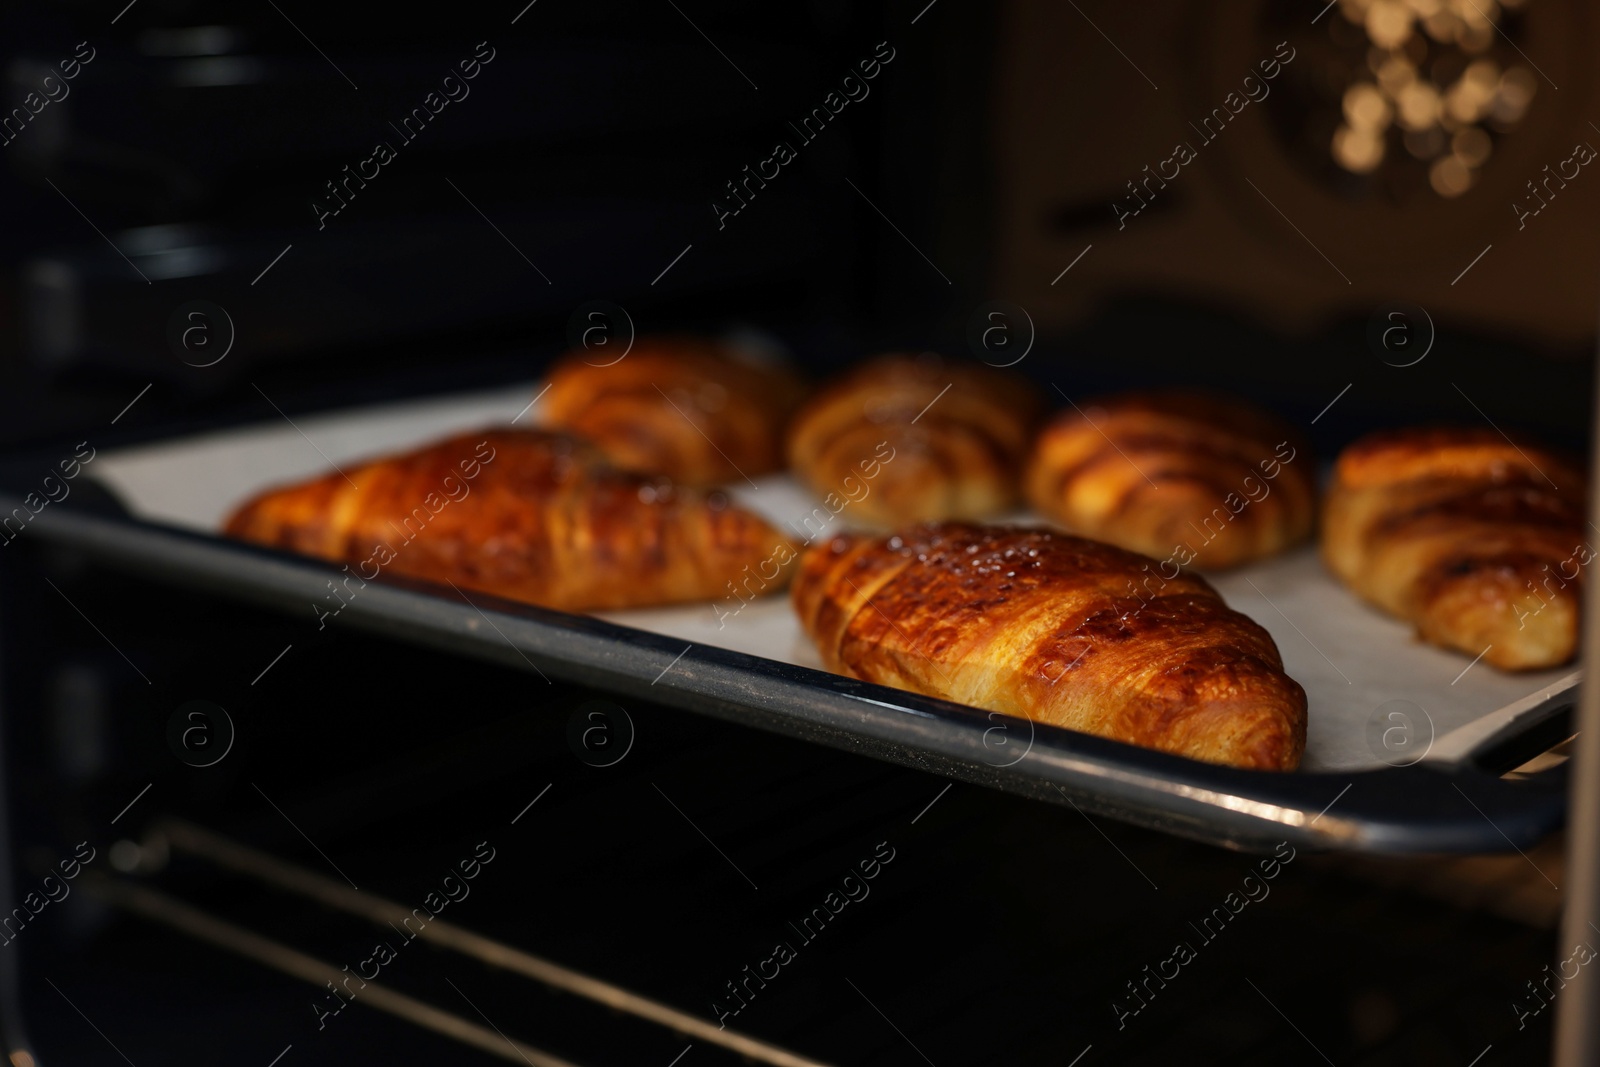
(735, 169)
(365, 204)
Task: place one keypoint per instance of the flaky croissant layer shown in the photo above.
(690, 408)
(957, 433)
(1193, 477)
(1058, 629)
(1477, 540)
(523, 514)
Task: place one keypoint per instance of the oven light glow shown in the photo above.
(1443, 109)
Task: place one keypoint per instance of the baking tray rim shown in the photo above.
(1427, 807)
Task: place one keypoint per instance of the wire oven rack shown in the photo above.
(177, 835)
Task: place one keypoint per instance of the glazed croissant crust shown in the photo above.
(689, 409)
(1051, 627)
(1194, 477)
(1477, 540)
(956, 435)
(523, 514)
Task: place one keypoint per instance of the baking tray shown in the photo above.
(1406, 743)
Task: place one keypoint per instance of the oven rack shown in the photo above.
(178, 835)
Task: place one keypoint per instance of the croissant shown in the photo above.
(1053, 628)
(692, 410)
(1477, 540)
(523, 514)
(941, 440)
(1192, 477)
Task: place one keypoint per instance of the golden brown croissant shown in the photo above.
(692, 410)
(1186, 477)
(1478, 541)
(941, 440)
(1052, 627)
(523, 514)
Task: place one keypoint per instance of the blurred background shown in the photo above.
(1364, 213)
(1346, 160)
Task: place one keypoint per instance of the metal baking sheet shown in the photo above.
(1385, 710)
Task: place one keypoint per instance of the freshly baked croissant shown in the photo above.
(1477, 540)
(693, 410)
(1192, 477)
(523, 514)
(941, 440)
(1054, 628)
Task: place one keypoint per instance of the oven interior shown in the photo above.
(991, 931)
(651, 890)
